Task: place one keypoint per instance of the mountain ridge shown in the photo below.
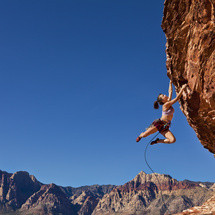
(145, 195)
(22, 193)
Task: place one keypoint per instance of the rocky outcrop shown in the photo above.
(212, 187)
(86, 198)
(208, 208)
(190, 31)
(21, 193)
(142, 195)
(15, 189)
(48, 200)
(88, 205)
(96, 190)
(85, 202)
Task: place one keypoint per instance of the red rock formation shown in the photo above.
(23, 194)
(50, 199)
(165, 183)
(16, 188)
(139, 196)
(142, 195)
(189, 26)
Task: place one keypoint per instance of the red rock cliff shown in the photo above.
(190, 31)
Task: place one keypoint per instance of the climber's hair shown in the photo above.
(158, 102)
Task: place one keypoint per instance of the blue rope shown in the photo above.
(154, 171)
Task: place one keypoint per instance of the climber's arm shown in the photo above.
(173, 101)
(170, 90)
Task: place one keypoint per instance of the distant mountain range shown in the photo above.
(23, 194)
(154, 194)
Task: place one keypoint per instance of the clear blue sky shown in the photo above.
(77, 86)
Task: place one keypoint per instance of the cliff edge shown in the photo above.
(190, 32)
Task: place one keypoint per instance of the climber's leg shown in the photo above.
(150, 130)
(170, 138)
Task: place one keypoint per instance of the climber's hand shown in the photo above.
(184, 86)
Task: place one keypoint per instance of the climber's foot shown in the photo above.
(154, 142)
(138, 139)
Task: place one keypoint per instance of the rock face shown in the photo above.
(142, 195)
(207, 208)
(85, 202)
(22, 194)
(15, 189)
(86, 198)
(48, 200)
(189, 26)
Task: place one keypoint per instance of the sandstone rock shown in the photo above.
(142, 195)
(21, 193)
(80, 199)
(48, 200)
(86, 201)
(208, 208)
(15, 189)
(96, 190)
(88, 206)
(212, 187)
(189, 26)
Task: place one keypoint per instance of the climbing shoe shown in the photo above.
(154, 142)
(138, 139)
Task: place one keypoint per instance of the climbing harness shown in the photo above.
(154, 172)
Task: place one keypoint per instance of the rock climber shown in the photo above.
(162, 125)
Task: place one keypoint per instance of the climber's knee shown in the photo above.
(172, 140)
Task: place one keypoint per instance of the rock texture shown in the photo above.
(22, 194)
(52, 199)
(208, 208)
(86, 198)
(189, 26)
(15, 189)
(48, 200)
(142, 195)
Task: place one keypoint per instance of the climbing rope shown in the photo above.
(154, 171)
